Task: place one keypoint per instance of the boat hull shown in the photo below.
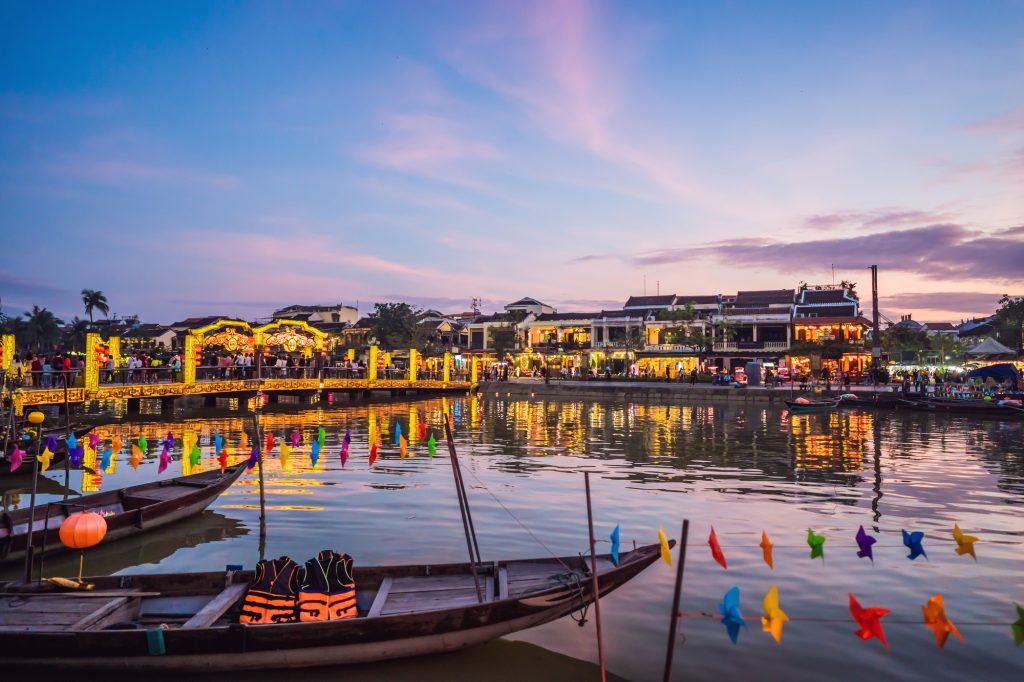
(301, 645)
(124, 524)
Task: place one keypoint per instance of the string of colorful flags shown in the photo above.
(867, 618)
(193, 452)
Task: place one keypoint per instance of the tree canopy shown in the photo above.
(94, 299)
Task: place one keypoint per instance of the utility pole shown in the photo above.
(876, 333)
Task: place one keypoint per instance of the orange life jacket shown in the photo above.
(328, 590)
(272, 595)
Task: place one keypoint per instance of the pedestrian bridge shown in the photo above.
(96, 381)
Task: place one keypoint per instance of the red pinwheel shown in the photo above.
(869, 620)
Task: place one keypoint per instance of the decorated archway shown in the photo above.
(234, 336)
(290, 336)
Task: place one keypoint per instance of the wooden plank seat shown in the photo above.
(217, 607)
(22, 613)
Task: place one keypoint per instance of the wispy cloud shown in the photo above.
(118, 172)
(942, 251)
(878, 218)
(1009, 122)
(568, 72)
(962, 303)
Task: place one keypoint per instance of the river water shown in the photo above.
(743, 469)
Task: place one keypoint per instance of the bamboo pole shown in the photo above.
(67, 421)
(261, 446)
(674, 620)
(464, 510)
(593, 577)
(30, 541)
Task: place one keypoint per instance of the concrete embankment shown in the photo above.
(646, 391)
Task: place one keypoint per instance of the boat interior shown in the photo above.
(201, 600)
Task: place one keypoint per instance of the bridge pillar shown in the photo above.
(371, 363)
(134, 405)
(210, 400)
(6, 351)
(447, 375)
(188, 363)
(92, 364)
(414, 358)
(167, 404)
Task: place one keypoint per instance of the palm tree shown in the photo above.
(42, 328)
(94, 300)
(74, 333)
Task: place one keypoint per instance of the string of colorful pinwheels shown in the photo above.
(869, 619)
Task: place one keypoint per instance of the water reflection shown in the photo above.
(743, 468)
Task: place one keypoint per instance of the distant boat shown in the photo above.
(402, 611)
(26, 467)
(797, 406)
(982, 408)
(128, 511)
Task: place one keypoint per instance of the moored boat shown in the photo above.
(26, 467)
(128, 511)
(982, 408)
(796, 406)
(402, 611)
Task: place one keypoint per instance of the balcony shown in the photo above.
(736, 346)
(668, 348)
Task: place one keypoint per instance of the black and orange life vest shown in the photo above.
(328, 590)
(272, 595)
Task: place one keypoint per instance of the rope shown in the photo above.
(522, 525)
(577, 588)
(885, 620)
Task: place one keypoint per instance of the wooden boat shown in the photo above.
(403, 611)
(980, 408)
(872, 400)
(812, 406)
(128, 511)
(26, 466)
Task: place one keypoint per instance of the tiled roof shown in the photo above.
(525, 301)
(940, 326)
(763, 298)
(619, 314)
(493, 317)
(823, 296)
(696, 300)
(644, 301)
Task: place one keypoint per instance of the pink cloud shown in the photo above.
(1010, 122)
(568, 71)
(423, 141)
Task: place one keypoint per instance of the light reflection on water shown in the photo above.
(743, 469)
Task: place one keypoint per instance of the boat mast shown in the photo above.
(467, 518)
(876, 335)
(594, 587)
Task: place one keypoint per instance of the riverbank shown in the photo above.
(656, 391)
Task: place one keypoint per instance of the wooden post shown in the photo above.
(674, 622)
(261, 445)
(593, 577)
(31, 544)
(67, 434)
(467, 522)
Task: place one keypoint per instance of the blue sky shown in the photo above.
(229, 158)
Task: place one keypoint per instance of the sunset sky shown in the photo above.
(229, 157)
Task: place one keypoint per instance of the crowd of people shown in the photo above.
(45, 371)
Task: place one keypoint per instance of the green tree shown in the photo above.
(397, 325)
(42, 329)
(74, 333)
(503, 338)
(1010, 321)
(93, 299)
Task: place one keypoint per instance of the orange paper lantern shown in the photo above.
(83, 529)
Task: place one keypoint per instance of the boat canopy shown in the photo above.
(1001, 372)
